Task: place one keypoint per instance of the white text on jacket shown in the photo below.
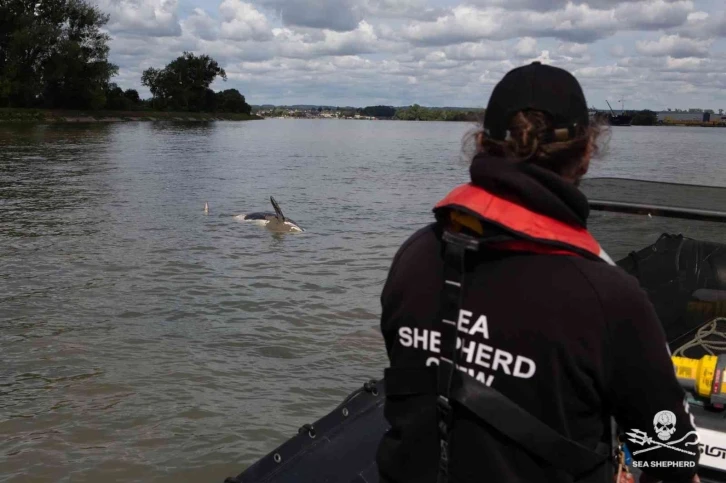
(472, 352)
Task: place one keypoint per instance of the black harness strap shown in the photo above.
(529, 432)
(455, 246)
(504, 415)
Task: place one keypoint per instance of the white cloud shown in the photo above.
(242, 21)
(572, 49)
(362, 40)
(634, 63)
(702, 25)
(461, 25)
(688, 64)
(654, 14)
(476, 51)
(338, 15)
(686, 88)
(572, 54)
(526, 47)
(409, 9)
(544, 57)
(200, 24)
(547, 5)
(605, 71)
(576, 23)
(697, 16)
(145, 17)
(346, 15)
(674, 46)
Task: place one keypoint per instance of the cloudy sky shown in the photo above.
(651, 53)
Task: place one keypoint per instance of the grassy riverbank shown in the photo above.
(56, 115)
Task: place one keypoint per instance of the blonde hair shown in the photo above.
(529, 140)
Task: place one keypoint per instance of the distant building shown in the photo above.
(670, 116)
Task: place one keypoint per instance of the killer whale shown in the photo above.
(275, 221)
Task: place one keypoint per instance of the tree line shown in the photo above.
(410, 113)
(53, 54)
(418, 113)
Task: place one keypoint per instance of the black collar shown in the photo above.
(531, 186)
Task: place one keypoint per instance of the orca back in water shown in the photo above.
(276, 221)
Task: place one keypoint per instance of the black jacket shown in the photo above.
(577, 342)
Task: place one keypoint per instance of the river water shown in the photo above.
(144, 340)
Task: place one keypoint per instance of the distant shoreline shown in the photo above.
(662, 124)
(63, 116)
(23, 115)
(367, 119)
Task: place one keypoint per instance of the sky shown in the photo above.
(637, 54)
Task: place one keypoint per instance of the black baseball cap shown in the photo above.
(541, 88)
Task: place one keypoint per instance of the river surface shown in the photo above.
(144, 340)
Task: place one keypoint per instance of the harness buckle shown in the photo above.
(442, 402)
(460, 239)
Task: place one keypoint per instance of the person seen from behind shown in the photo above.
(513, 339)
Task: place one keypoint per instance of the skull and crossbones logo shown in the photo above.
(664, 424)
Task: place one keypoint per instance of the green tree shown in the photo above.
(645, 118)
(418, 113)
(53, 54)
(133, 96)
(380, 111)
(184, 82)
(118, 100)
(231, 100)
(115, 99)
(412, 113)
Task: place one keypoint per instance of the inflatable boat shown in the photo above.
(685, 277)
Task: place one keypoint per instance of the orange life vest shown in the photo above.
(534, 232)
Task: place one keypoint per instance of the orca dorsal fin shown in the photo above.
(277, 209)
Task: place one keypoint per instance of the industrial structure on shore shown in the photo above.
(666, 118)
